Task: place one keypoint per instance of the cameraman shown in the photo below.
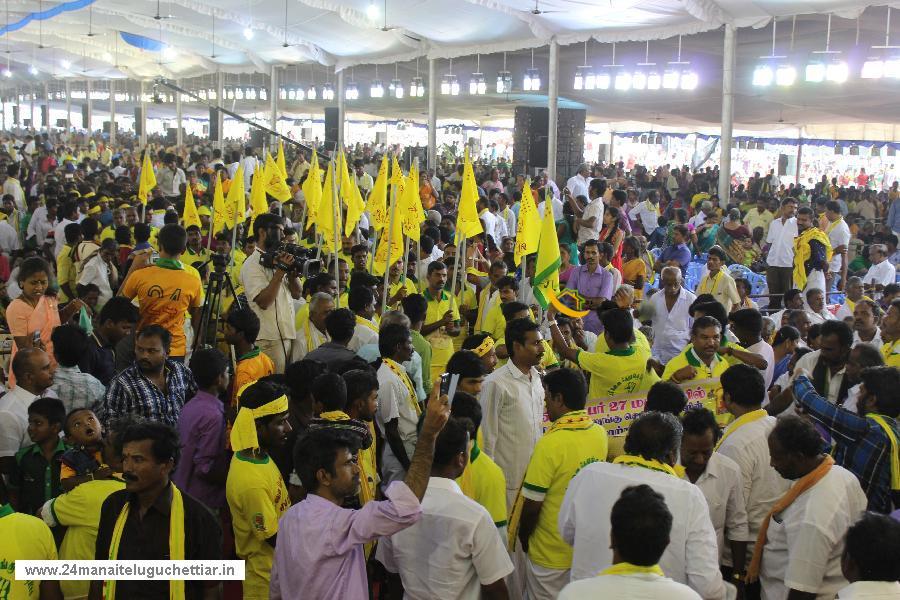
(271, 292)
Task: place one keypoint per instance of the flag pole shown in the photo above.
(463, 266)
(374, 250)
(212, 222)
(406, 241)
(387, 260)
(456, 267)
(337, 226)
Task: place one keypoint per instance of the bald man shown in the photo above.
(34, 374)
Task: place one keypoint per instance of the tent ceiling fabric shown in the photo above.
(328, 35)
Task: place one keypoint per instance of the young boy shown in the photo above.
(84, 460)
(35, 475)
(494, 324)
(241, 329)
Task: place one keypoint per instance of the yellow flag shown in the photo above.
(382, 260)
(352, 198)
(377, 201)
(273, 180)
(258, 204)
(236, 202)
(219, 209)
(282, 166)
(528, 230)
(468, 223)
(411, 211)
(312, 191)
(148, 179)
(546, 274)
(189, 215)
(326, 217)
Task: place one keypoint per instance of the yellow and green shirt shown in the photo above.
(24, 538)
(891, 353)
(689, 357)
(483, 481)
(617, 371)
(557, 458)
(441, 343)
(640, 340)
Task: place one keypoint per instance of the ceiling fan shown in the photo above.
(284, 43)
(160, 17)
(90, 32)
(537, 9)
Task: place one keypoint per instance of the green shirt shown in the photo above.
(421, 345)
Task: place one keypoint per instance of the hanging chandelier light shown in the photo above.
(585, 79)
(477, 84)
(532, 80)
(504, 79)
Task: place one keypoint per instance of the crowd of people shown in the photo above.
(710, 410)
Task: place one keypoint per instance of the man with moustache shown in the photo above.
(255, 490)
(142, 521)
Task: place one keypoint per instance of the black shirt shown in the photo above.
(148, 539)
(99, 360)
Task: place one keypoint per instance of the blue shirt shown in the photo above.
(679, 253)
(131, 393)
(860, 445)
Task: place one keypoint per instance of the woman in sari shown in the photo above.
(565, 267)
(613, 235)
(731, 235)
(705, 235)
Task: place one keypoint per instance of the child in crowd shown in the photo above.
(494, 323)
(241, 329)
(743, 289)
(84, 460)
(35, 475)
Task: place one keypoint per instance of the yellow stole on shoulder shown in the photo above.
(625, 568)
(176, 544)
(740, 421)
(366, 322)
(895, 451)
(400, 372)
(631, 460)
(802, 253)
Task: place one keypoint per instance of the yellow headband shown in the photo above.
(486, 346)
(243, 432)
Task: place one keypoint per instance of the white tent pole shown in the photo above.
(273, 103)
(432, 114)
(179, 118)
(68, 108)
(112, 112)
(341, 105)
(553, 104)
(727, 114)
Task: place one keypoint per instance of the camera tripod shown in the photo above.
(219, 279)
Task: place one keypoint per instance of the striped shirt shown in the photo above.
(131, 393)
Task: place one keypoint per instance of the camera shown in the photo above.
(303, 262)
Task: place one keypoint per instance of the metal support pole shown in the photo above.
(387, 259)
(143, 118)
(179, 120)
(336, 200)
(90, 108)
(341, 105)
(553, 104)
(220, 118)
(799, 160)
(112, 112)
(612, 146)
(273, 102)
(727, 114)
(68, 107)
(432, 92)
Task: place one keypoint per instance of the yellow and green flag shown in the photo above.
(410, 210)
(147, 180)
(528, 230)
(351, 196)
(326, 216)
(189, 215)
(546, 274)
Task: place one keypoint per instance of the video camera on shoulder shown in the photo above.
(304, 263)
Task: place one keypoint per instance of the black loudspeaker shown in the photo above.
(258, 138)
(569, 142)
(214, 125)
(530, 138)
(171, 136)
(15, 114)
(105, 126)
(45, 116)
(61, 123)
(27, 123)
(331, 127)
(138, 120)
(84, 118)
(412, 153)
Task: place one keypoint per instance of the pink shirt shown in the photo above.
(319, 554)
(24, 320)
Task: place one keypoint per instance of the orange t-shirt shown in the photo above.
(165, 292)
(250, 367)
(24, 320)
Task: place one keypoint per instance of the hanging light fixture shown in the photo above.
(396, 87)
(311, 91)
(641, 78)
(584, 75)
(504, 79)
(417, 85)
(876, 68)
(351, 90)
(834, 70)
(376, 89)
(450, 83)
(532, 80)
(605, 77)
(477, 84)
(783, 75)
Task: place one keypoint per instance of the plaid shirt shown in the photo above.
(77, 389)
(860, 445)
(131, 393)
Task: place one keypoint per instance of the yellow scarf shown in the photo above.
(835, 224)
(400, 372)
(707, 280)
(800, 486)
(741, 421)
(802, 253)
(363, 321)
(624, 568)
(575, 420)
(639, 461)
(895, 451)
(335, 415)
(176, 544)
(243, 432)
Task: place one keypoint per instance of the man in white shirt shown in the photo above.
(839, 235)
(700, 218)
(512, 402)
(69, 215)
(719, 478)
(34, 374)
(589, 221)
(363, 179)
(455, 533)
(745, 441)
(746, 325)
(670, 315)
(249, 163)
(310, 326)
(647, 212)
(780, 258)
(828, 365)
(870, 563)
(488, 219)
(866, 315)
(101, 270)
(12, 187)
(640, 529)
(815, 306)
(882, 272)
(804, 541)
(578, 183)
(361, 301)
(651, 451)
(42, 222)
(9, 237)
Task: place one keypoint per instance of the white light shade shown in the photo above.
(239, 93)
(653, 81)
(327, 92)
(872, 69)
(376, 90)
(763, 76)
(603, 81)
(892, 68)
(107, 57)
(445, 86)
(670, 80)
(169, 53)
(590, 81)
(251, 94)
(248, 33)
(504, 82)
(292, 94)
(311, 93)
(532, 80)
(372, 11)
(815, 72)
(785, 75)
(263, 94)
(837, 72)
(33, 70)
(578, 84)
(639, 80)
(623, 81)
(7, 73)
(351, 92)
(65, 63)
(689, 80)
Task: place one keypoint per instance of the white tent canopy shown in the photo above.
(307, 40)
